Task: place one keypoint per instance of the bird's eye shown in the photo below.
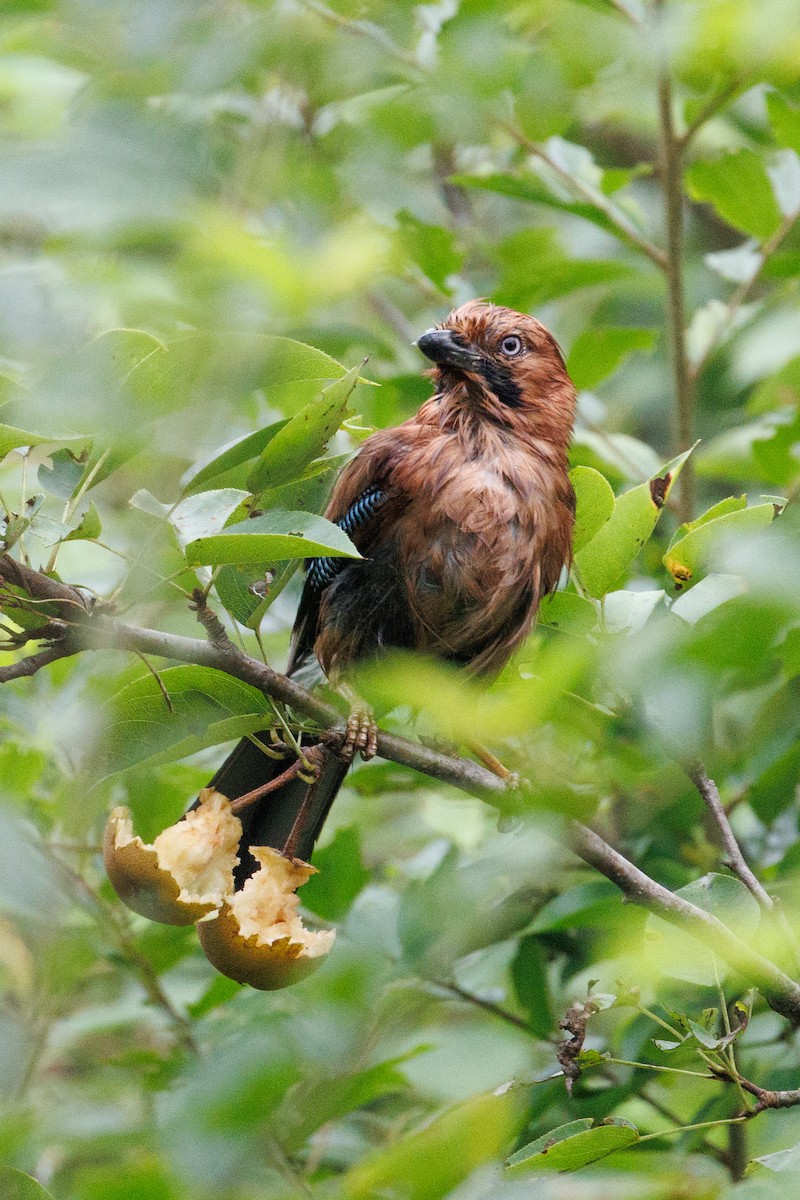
(511, 345)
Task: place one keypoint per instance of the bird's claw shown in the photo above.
(361, 735)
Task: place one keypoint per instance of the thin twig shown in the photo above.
(649, 1137)
(162, 687)
(318, 756)
(711, 107)
(671, 159)
(781, 992)
(488, 1006)
(34, 662)
(625, 228)
(734, 857)
(107, 919)
(99, 630)
(365, 29)
(742, 294)
(272, 785)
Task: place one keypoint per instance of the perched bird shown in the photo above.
(464, 517)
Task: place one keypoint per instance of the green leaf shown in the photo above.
(146, 502)
(529, 976)
(191, 368)
(607, 556)
(678, 954)
(781, 1160)
(556, 274)
(628, 611)
(567, 612)
(597, 353)
(531, 188)
(12, 438)
(581, 907)
(304, 438)
(309, 493)
(341, 877)
(316, 1101)
(778, 456)
(206, 707)
(738, 187)
(90, 527)
(777, 390)
(432, 247)
(728, 505)
(236, 455)
(432, 1161)
(272, 537)
(16, 1185)
(64, 474)
(690, 553)
(204, 514)
(594, 498)
(572, 1146)
(706, 595)
(784, 118)
(624, 457)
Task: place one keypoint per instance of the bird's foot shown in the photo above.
(361, 734)
(361, 731)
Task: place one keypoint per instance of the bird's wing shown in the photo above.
(359, 498)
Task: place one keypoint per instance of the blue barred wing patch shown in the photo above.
(322, 571)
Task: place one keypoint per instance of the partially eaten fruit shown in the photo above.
(188, 869)
(257, 936)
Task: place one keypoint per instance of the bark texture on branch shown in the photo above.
(97, 630)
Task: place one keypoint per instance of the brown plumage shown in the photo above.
(476, 524)
(463, 514)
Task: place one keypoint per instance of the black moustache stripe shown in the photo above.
(503, 384)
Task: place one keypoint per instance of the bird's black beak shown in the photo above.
(447, 349)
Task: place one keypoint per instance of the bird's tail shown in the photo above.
(290, 817)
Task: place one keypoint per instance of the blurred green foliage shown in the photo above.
(211, 215)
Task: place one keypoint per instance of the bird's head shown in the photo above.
(503, 365)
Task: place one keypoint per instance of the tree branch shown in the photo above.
(671, 156)
(781, 992)
(488, 1006)
(711, 107)
(625, 228)
(34, 662)
(38, 586)
(734, 857)
(766, 1098)
(742, 294)
(100, 631)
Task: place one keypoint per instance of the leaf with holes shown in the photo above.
(607, 556)
(304, 438)
(691, 552)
